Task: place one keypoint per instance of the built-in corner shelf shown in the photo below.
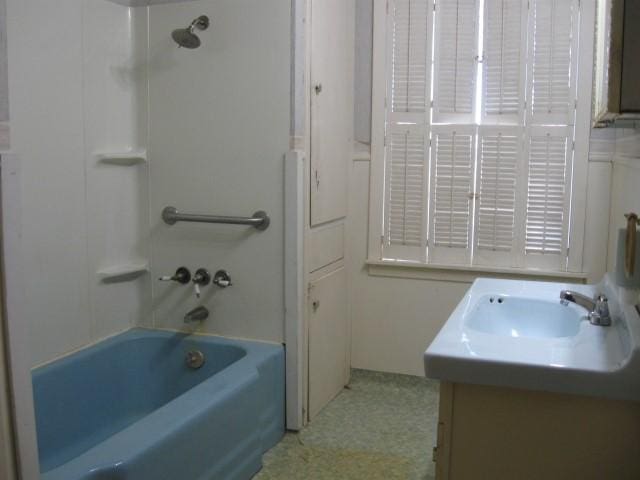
(123, 273)
(125, 159)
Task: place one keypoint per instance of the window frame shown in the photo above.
(382, 25)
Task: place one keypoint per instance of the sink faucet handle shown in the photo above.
(182, 275)
(201, 278)
(222, 279)
(602, 309)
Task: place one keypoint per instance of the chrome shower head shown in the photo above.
(185, 37)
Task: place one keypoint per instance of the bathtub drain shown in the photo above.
(195, 359)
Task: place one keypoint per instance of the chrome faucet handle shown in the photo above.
(595, 318)
(182, 275)
(202, 278)
(602, 310)
(222, 279)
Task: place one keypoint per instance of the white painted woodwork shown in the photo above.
(294, 294)
(326, 245)
(451, 203)
(331, 94)
(455, 62)
(328, 338)
(17, 331)
(330, 51)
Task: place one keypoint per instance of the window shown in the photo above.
(474, 150)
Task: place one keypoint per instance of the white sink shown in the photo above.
(524, 317)
(518, 334)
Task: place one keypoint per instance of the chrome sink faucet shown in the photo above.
(598, 307)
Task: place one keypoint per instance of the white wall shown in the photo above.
(362, 73)
(75, 90)
(625, 194)
(4, 87)
(220, 125)
(393, 319)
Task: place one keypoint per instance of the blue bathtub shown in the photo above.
(129, 408)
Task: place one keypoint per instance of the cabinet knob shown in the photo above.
(318, 88)
(315, 304)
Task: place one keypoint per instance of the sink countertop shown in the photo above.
(597, 361)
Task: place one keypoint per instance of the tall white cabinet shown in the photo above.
(328, 145)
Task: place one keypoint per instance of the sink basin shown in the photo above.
(517, 334)
(523, 317)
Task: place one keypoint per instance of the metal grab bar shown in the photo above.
(259, 220)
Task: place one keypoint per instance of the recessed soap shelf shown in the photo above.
(123, 273)
(125, 159)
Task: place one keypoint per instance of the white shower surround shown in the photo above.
(96, 96)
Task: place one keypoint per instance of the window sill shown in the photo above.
(463, 274)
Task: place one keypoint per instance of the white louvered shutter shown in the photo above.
(407, 130)
(549, 160)
(452, 171)
(553, 41)
(406, 196)
(553, 53)
(504, 53)
(500, 196)
(409, 62)
(455, 62)
(497, 193)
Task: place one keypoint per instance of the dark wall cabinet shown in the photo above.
(617, 75)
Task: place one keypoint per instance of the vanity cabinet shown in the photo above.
(617, 70)
(500, 433)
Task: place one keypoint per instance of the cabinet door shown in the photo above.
(328, 339)
(332, 25)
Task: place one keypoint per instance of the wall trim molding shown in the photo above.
(463, 274)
